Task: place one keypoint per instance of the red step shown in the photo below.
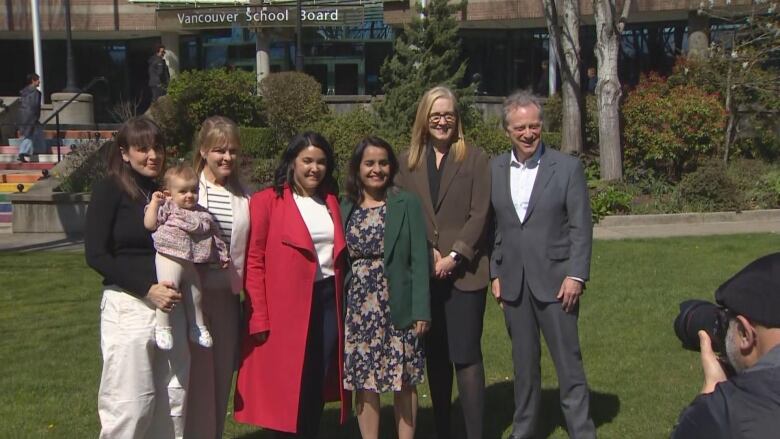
(80, 134)
(20, 178)
(6, 217)
(15, 149)
(25, 166)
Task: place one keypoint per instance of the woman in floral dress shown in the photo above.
(388, 303)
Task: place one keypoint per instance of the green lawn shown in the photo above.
(639, 376)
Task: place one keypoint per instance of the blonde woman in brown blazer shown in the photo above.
(452, 179)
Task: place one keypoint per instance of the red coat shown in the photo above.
(280, 269)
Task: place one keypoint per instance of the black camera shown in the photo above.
(700, 315)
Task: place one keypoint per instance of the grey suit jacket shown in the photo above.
(556, 238)
(458, 219)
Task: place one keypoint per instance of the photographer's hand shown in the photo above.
(713, 371)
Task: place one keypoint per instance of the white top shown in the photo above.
(218, 203)
(521, 181)
(317, 218)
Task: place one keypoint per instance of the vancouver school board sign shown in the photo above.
(256, 16)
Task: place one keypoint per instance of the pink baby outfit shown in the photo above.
(188, 234)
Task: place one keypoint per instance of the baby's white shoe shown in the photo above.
(200, 334)
(163, 337)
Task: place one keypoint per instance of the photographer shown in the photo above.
(747, 404)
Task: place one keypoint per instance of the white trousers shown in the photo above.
(143, 390)
(184, 275)
(211, 377)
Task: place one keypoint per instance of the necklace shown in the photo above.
(147, 194)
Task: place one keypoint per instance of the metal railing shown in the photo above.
(56, 114)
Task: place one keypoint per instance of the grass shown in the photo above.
(639, 376)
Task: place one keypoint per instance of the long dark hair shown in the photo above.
(136, 132)
(354, 183)
(284, 172)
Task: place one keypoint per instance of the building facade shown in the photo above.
(504, 41)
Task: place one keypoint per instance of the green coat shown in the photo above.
(406, 258)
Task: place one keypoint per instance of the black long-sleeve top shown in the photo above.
(117, 245)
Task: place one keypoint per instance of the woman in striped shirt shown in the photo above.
(216, 161)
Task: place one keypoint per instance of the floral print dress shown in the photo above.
(378, 356)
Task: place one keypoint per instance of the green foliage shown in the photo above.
(671, 128)
(258, 143)
(757, 181)
(552, 139)
(553, 119)
(425, 55)
(742, 67)
(293, 101)
(83, 167)
(344, 131)
(709, 188)
(488, 134)
(609, 199)
(197, 94)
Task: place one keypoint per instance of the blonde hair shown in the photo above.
(180, 170)
(217, 131)
(420, 134)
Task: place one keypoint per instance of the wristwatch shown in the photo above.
(456, 257)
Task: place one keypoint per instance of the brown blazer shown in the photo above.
(458, 219)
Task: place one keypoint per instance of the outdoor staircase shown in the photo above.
(18, 177)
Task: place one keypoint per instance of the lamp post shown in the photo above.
(70, 66)
(299, 39)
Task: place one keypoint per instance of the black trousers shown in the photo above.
(321, 345)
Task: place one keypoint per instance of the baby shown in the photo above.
(185, 234)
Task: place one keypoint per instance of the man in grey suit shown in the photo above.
(540, 263)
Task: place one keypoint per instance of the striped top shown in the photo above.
(218, 200)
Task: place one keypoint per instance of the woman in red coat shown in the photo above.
(294, 281)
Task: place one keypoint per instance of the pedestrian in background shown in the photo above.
(30, 128)
(158, 73)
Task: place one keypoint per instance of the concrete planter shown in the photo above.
(43, 210)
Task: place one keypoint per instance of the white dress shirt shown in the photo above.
(320, 224)
(522, 176)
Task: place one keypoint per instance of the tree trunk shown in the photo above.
(608, 90)
(571, 91)
(732, 117)
(567, 40)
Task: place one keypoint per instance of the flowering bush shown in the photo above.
(670, 128)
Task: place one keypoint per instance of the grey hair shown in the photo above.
(520, 98)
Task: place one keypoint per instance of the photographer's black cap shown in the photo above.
(754, 291)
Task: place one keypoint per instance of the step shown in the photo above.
(6, 217)
(39, 158)
(20, 178)
(80, 134)
(6, 228)
(6, 207)
(12, 187)
(13, 146)
(4, 198)
(25, 166)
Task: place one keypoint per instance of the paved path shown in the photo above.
(651, 226)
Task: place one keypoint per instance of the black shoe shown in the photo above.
(22, 158)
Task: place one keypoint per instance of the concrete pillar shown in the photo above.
(171, 42)
(79, 112)
(262, 54)
(698, 35)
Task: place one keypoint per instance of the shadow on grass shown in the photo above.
(499, 407)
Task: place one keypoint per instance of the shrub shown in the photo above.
(609, 199)
(344, 131)
(258, 143)
(552, 139)
(671, 128)
(757, 181)
(293, 101)
(195, 95)
(488, 134)
(82, 167)
(709, 188)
